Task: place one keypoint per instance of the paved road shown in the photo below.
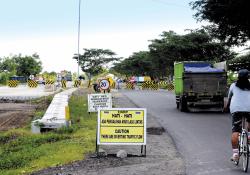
(203, 139)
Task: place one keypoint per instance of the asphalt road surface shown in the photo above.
(203, 139)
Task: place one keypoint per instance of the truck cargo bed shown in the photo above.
(200, 83)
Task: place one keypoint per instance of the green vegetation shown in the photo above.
(240, 62)
(42, 104)
(23, 152)
(4, 77)
(225, 25)
(158, 62)
(92, 62)
(21, 65)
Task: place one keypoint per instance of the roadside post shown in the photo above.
(77, 83)
(64, 84)
(67, 116)
(122, 126)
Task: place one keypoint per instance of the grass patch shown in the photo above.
(22, 152)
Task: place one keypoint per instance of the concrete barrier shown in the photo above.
(55, 116)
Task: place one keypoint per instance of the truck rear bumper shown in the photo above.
(205, 104)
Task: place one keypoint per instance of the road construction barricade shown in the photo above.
(64, 84)
(145, 85)
(170, 87)
(32, 83)
(163, 84)
(129, 85)
(112, 85)
(150, 85)
(13, 83)
(49, 82)
(49, 86)
(154, 86)
(77, 83)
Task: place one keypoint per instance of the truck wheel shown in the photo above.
(183, 105)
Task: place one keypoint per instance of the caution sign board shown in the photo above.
(122, 126)
(99, 101)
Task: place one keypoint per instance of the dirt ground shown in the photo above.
(14, 115)
(162, 156)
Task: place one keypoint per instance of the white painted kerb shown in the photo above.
(54, 117)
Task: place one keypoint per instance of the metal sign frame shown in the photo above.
(123, 109)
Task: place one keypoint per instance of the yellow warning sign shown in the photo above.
(122, 126)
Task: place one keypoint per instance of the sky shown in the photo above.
(50, 27)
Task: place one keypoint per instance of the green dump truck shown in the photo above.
(199, 86)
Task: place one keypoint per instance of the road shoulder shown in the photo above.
(162, 156)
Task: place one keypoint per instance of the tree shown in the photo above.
(8, 64)
(137, 64)
(230, 18)
(197, 45)
(7, 69)
(49, 75)
(28, 65)
(241, 62)
(22, 65)
(93, 60)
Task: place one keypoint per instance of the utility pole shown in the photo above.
(78, 43)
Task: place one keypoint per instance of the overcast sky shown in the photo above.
(49, 27)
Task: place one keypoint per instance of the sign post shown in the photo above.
(122, 126)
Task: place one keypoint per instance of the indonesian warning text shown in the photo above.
(122, 126)
(99, 101)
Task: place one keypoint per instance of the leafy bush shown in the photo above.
(3, 78)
